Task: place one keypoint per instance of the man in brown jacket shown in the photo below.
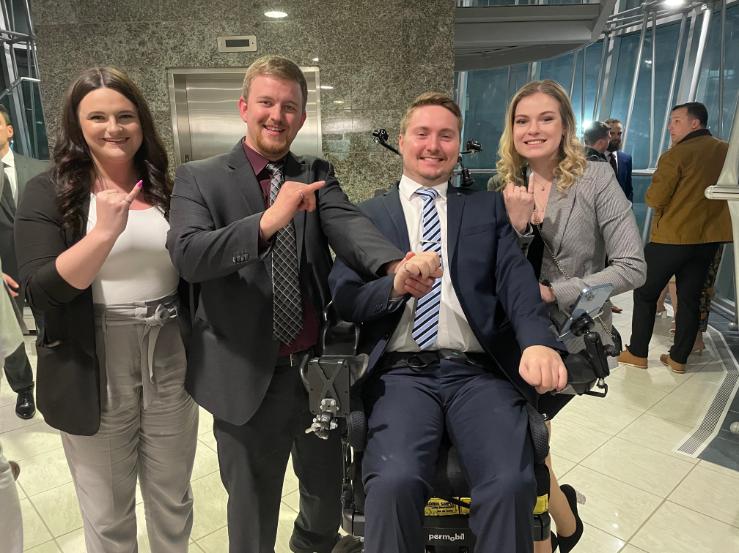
(687, 229)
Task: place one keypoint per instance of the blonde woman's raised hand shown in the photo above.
(519, 203)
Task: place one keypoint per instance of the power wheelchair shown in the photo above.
(333, 380)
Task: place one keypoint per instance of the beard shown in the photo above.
(273, 148)
(614, 145)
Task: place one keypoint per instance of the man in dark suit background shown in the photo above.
(596, 138)
(17, 170)
(251, 229)
(464, 358)
(620, 161)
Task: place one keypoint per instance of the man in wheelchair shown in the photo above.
(462, 361)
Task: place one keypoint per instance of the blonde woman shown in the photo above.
(571, 215)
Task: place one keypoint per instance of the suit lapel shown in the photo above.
(244, 180)
(297, 170)
(621, 167)
(6, 200)
(455, 202)
(21, 173)
(391, 202)
(558, 213)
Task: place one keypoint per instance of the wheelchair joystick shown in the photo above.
(583, 326)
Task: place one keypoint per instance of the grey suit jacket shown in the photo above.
(214, 243)
(25, 169)
(584, 225)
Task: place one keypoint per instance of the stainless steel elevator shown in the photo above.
(205, 115)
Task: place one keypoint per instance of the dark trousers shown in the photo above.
(689, 263)
(485, 418)
(17, 366)
(253, 458)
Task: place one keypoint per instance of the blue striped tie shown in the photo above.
(426, 319)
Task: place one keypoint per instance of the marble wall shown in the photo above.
(377, 54)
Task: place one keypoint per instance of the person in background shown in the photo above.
(90, 236)
(570, 216)
(11, 522)
(687, 230)
(620, 161)
(596, 138)
(16, 171)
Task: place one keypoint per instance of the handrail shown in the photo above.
(15, 84)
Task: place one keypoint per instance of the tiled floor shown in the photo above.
(642, 497)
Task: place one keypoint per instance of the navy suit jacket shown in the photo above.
(624, 174)
(493, 280)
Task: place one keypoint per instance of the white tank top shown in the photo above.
(138, 267)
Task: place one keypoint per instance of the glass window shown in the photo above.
(708, 81)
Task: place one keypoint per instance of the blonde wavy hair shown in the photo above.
(572, 161)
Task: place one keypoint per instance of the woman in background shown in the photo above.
(570, 215)
(90, 238)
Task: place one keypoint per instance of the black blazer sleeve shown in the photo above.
(39, 240)
(199, 250)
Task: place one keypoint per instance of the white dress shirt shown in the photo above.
(9, 166)
(614, 156)
(454, 330)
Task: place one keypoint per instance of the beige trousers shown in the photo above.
(148, 431)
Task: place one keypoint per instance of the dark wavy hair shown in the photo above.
(74, 168)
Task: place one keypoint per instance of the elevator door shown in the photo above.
(205, 115)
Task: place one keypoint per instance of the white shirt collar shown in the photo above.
(408, 187)
(8, 159)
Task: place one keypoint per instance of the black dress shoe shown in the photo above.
(25, 406)
(567, 543)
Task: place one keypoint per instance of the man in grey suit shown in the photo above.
(251, 229)
(17, 171)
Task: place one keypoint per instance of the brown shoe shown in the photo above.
(676, 367)
(628, 358)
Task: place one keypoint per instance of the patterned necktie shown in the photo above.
(426, 319)
(287, 303)
(612, 161)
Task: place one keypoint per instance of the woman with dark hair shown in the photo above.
(570, 215)
(90, 238)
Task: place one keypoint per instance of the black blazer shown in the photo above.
(67, 373)
(214, 242)
(494, 282)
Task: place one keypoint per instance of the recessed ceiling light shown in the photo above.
(338, 101)
(315, 59)
(673, 3)
(326, 87)
(275, 14)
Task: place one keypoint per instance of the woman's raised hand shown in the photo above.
(112, 208)
(519, 203)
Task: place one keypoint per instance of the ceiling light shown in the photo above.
(315, 59)
(338, 101)
(326, 87)
(673, 3)
(275, 14)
